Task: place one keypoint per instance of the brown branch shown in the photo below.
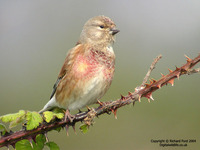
(145, 90)
(146, 78)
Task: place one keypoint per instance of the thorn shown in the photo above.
(150, 81)
(73, 126)
(131, 95)
(34, 138)
(153, 80)
(171, 82)
(114, 111)
(170, 70)
(13, 145)
(149, 96)
(177, 75)
(162, 75)
(108, 112)
(147, 85)
(158, 86)
(188, 59)
(45, 134)
(100, 103)
(67, 129)
(30, 141)
(79, 111)
(88, 108)
(133, 103)
(8, 147)
(139, 98)
(11, 132)
(177, 69)
(122, 97)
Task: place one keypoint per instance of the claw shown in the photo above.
(69, 116)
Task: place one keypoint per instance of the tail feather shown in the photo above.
(51, 103)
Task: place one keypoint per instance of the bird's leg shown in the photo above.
(69, 116)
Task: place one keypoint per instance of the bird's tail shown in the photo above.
(51, 103)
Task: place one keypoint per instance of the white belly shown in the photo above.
(92, 92)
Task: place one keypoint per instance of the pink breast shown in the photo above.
(83, 67)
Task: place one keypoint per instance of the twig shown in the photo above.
(146, 78)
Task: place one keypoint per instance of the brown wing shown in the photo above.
(63, 71)
(60, 76)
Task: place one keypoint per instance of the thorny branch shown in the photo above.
(144, 90)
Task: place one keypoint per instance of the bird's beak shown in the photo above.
(114, 31)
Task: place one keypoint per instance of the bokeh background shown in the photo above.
(35, 36)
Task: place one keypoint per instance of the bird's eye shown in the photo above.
(101, 26)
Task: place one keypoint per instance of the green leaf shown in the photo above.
(23, 145)
(52, 146)
(14, 119)
(40, 140)
(3, 129)
(16, 122)
(59, 115)
(84, 128)
(26, 145)
(49, 115)
(33, 120)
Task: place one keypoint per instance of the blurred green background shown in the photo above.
(35, 36)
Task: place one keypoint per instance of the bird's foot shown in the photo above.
(69, 116)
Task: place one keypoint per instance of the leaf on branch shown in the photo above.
(84, 128)
(23, 144)
(49, 116)
(14, 118)
(3, 129)
(33, 120)
(31, 145)
(40, 141)
(53, 146)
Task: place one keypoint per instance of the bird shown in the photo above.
(88, 69)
